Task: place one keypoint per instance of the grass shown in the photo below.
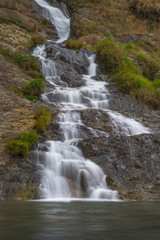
(131, 77)
(24, 142)
(35, 40)
(34, 88)
(151, 67)
(110, 54)
(43, 118)
(22, 145)
(29, 64)
(6, 19)
(73, 44)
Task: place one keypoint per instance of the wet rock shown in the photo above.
(76, 60)
(131, 163)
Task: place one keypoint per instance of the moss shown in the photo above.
(34, 87)
(35, 40)
(43, 118)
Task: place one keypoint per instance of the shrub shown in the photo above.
(17, 148)
(22, 145)
(35, 40)
(110, 54)
(30, 137)
(34, 87)
(43, 118)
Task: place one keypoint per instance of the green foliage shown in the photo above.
(35, 40)
(130, 47)
(73, 44)
(125, 72)
(43, 118)
(17, 148)
(30, 97)
(110, 54)
(156, 83)
(22, 145)
(30, 137)
(26, 62)
(5, 18)
(150, 66)
(34, 87)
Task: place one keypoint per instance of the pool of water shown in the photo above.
(79, 220)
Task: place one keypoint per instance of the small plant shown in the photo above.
(43, 118)
(17, 148)
(30, 137)
(34, 87)
(35, 40)
(22, 145)
(30, 97)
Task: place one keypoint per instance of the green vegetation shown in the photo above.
(35, 40)
(34, 87)
(73, 44)
(43, 118)
(6, 19)
(151, 67)
(27, 63)
(131, 77)
(22, 145)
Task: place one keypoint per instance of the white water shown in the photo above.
(66, 173)
(59, 20)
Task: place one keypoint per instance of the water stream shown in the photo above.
(65, 171)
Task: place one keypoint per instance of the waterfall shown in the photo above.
(59, 20)
(66, 173)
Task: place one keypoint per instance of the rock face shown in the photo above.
(132, 164)
(18, 22)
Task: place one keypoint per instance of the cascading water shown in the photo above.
(65, 172)
(55, 15)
